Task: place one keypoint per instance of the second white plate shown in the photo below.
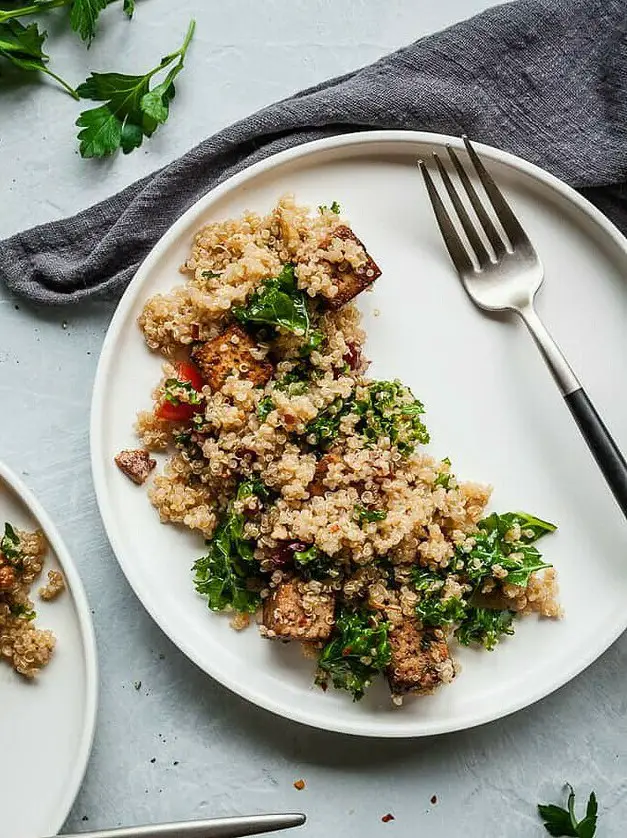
(491, 407)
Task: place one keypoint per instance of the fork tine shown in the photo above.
(486, 222)
(469, 228)
(504, 213)
(454, 244)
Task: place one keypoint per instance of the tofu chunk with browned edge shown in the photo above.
(231, 353)
(136, 465)
(290, 612)
(420, 659)
(352, 282)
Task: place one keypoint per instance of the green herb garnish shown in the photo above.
(444, 477)
(131, 110)
(222, 575)
(322, 430)
(10, 545)
(559, 821)
(484, 626)
(390, 410)
(172, 392)
(23, 612)
(265, 408)
(359, 650)
(367, 516)
(335, 207)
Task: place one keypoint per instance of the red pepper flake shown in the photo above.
(299, 785)
(434, 799)
(387, 818)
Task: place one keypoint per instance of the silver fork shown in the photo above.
(507, 279)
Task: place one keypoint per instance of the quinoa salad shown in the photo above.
(325, 520)
(23, 646)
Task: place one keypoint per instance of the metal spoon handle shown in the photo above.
(213, 828)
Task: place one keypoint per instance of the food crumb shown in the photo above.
(137, 685)
(387, 818)
(434, 799)
(153, 760)
(56, 584)
(299, 785)
(84, 818)
(377, 312)
(64, 324)
(176, 762)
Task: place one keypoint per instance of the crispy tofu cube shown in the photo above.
(231, 353)
(136, 465)
(420, 660)
(292, 613)
(352, 282)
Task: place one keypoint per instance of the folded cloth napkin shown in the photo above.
(545, 79)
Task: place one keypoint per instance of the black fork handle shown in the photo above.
(601, 444)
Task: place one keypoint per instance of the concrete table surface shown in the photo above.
(180, 746)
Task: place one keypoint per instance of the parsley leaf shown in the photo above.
(335, 207)
(444, 477)
(367, 516)
(358, 651)
(131, 111)
(222, 576)
(129, 7)
(22, 611)
(83, 17)
(22, 46)
(484, 626)
(563, 822)
(176, 391)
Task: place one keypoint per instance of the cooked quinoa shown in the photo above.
(321, 509)
(22, 554)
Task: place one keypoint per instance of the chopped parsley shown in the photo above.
(367, 516)
(335, 207)
(176, 391)
(444, 477)
(10, 545)
(390, 410)
(22, 611)
(265, 408)
(358, 651)
(484, 626)
(322, 430)
(209, 274)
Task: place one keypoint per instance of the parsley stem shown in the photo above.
(188, 38)
(63, 83)
(32, 10)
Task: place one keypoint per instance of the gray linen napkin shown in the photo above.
(545, 79)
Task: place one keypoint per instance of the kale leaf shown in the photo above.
(312, 563)
(432, 609)
(495, 545)
(358, 651)
(222, 575)
(484, 626)
(277, 302)
(322, 430)
(389, 409)
(563, 822)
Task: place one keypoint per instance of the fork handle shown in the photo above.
(601, 444)
(604, 450)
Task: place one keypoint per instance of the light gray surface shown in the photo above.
(213, 754)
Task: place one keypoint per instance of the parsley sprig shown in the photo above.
(563, 822)
(131, 109)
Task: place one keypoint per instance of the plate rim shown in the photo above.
(133, 290)
(90, 651)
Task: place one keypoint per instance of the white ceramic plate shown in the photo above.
(47, 723)
(491, 407)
